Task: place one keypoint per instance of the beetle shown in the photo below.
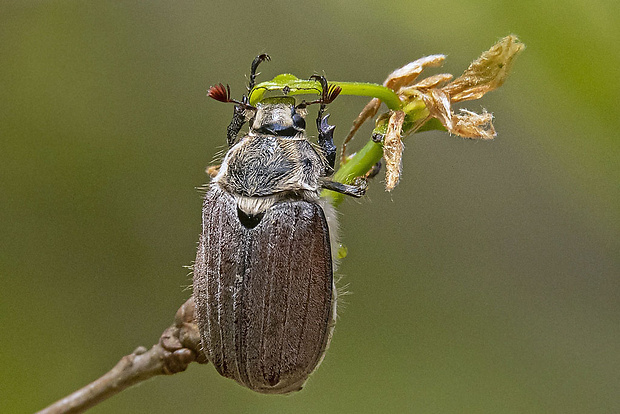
(263, 280)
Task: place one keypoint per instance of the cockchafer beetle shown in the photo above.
(263, 277)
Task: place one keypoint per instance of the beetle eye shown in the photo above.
(298, 121)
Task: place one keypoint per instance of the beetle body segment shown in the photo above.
(264, 295)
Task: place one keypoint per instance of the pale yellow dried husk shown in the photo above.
(466, 124)
(407, 74)
(393, 150)
(486, 73)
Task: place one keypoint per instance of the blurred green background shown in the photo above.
(487, 282)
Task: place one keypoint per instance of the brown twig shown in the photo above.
(178, 346)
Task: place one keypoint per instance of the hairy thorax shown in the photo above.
(261, 169)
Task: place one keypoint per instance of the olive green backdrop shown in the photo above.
(487, 282)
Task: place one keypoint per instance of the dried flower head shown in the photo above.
(432, 97)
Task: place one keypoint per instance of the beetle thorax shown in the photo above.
(273, 162)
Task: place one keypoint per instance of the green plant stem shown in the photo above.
(300, 87)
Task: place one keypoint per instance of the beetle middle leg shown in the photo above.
(359, 186)
(357, 190)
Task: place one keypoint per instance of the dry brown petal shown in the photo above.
(368, 112)
(405, 75)
(393, 150)
(430, 82)
(486, 73)
(467, 124)
(438, 104)
(409, 93)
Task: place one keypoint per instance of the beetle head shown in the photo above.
(278, 116)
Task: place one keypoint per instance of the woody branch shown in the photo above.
(178, 346)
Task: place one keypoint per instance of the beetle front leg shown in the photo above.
(238, 119)
(326, 131)
(235, 125)
(326, 140)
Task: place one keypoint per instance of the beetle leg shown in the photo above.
(357, 190)
(326, 131)
(235, 125)
(238, 119)
(257, 61)
(326, 140)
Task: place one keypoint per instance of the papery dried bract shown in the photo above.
(432, 94)
(405, 75)
(470, 124)
(368, 112)
(438, 104)
(486, 73)
(393, 150)
(467, 124)
(427, 83)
